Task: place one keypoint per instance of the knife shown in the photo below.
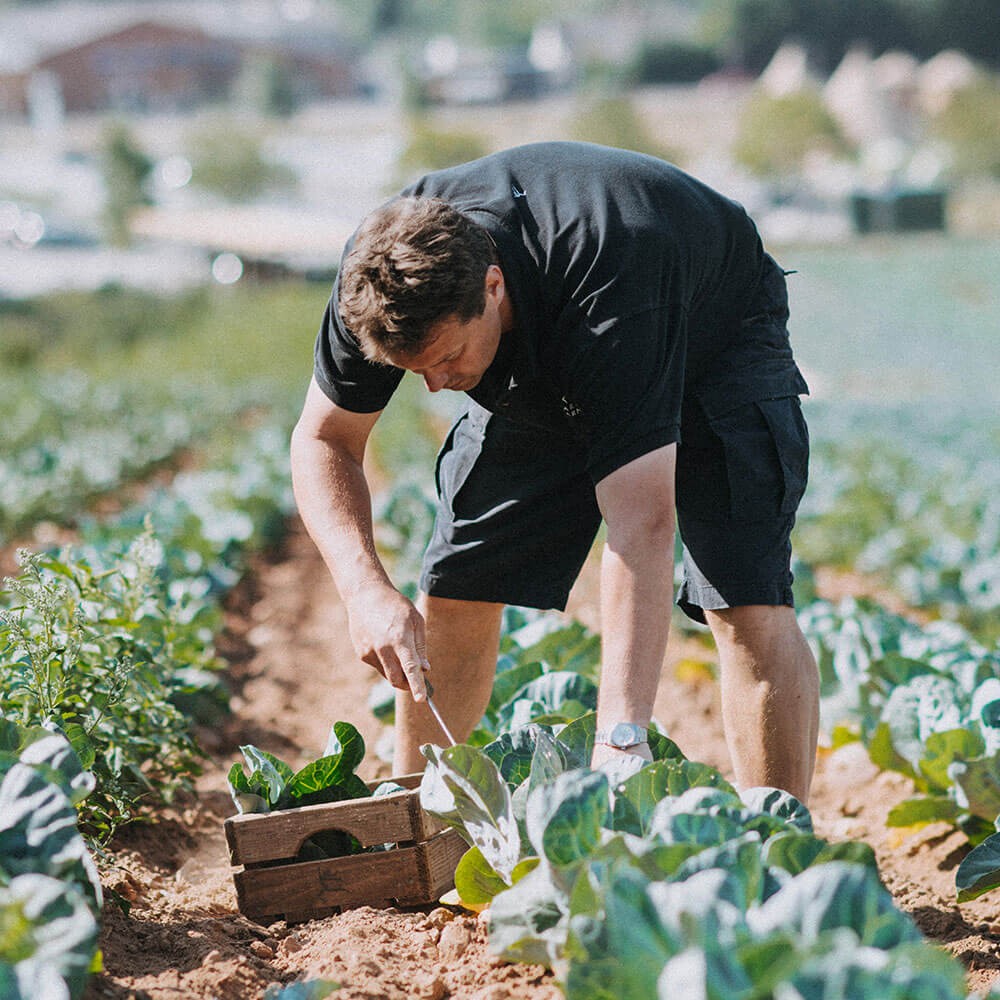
(437, 715)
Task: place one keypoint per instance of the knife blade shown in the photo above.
(437, 714)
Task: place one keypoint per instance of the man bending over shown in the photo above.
(621, 335)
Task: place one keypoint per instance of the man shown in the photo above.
(621, 334)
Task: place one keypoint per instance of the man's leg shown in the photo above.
(462, 640)
(770, 696)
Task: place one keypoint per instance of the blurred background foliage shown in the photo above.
(778, 133)
(747, 32)
(229, 162)
(971, 124)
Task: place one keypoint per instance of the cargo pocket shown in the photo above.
(766, 449)
(791, 439)
(457, 458)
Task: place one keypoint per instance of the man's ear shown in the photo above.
(495, 285)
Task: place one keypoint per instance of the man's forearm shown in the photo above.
(333, 499)
(636, 601)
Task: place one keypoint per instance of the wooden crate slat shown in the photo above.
(438, 859)
(256, 838)
(411, 875)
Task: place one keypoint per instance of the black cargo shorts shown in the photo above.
(518, 512)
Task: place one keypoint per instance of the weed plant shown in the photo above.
(93, 648)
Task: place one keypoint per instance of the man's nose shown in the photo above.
(435, 381)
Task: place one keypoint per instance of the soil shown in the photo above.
(293, 672)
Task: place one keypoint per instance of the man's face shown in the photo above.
(456, 353)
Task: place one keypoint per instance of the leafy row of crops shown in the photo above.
(69, 439)
(107, 650)
(911, 495)
(925, 701)
(660, 879)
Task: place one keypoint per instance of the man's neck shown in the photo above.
(507, 318)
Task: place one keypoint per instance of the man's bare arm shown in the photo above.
(334, 501)
(637, 502)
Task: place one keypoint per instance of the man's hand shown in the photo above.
(388, 633)
(603, 753)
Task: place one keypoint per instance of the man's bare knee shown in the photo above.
(448, 609)
(744, 624)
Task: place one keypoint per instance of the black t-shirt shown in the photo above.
(628, 279)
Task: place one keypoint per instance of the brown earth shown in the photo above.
(293, 674)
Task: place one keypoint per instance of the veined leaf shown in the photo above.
(53, 754)
(825, 897)
(513, 751)
(50, 937)
(617, 943)
(927, 704)
(774, 802)
(463, 787)
(565, 818)
(837, 968)
(977, 783)
(979, 871)
(563, 694)
(319, 779)
(346, 744)
(662, 747)
(577, 740)
(320, 782)
(528, 922)
(795, 852)
(636, 799)
(476, 881)
(246, 796)
(942, 749)
(923, 810)
(508, 682)
(741, 857)
(273, 773)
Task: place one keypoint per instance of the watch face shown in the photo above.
(624, 735)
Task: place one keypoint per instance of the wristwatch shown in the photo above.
(621, 735)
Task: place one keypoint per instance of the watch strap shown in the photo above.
(622, 735)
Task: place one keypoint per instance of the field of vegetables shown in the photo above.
(171, 648)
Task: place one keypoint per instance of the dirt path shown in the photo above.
(293, 674)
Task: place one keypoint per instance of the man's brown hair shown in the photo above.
(414, 261)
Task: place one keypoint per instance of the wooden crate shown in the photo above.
(272, 885)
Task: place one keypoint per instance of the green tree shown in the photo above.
(280, 97)
(970, 124)
(431, 148)
(777, 132)
(674, 62)
(611, 120)
(969, 25)
(126, 170)
(755, 29)
(229, 162)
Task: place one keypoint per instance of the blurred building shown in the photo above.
(79, 58)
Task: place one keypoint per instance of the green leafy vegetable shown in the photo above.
(979, 871)
(464, 787)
